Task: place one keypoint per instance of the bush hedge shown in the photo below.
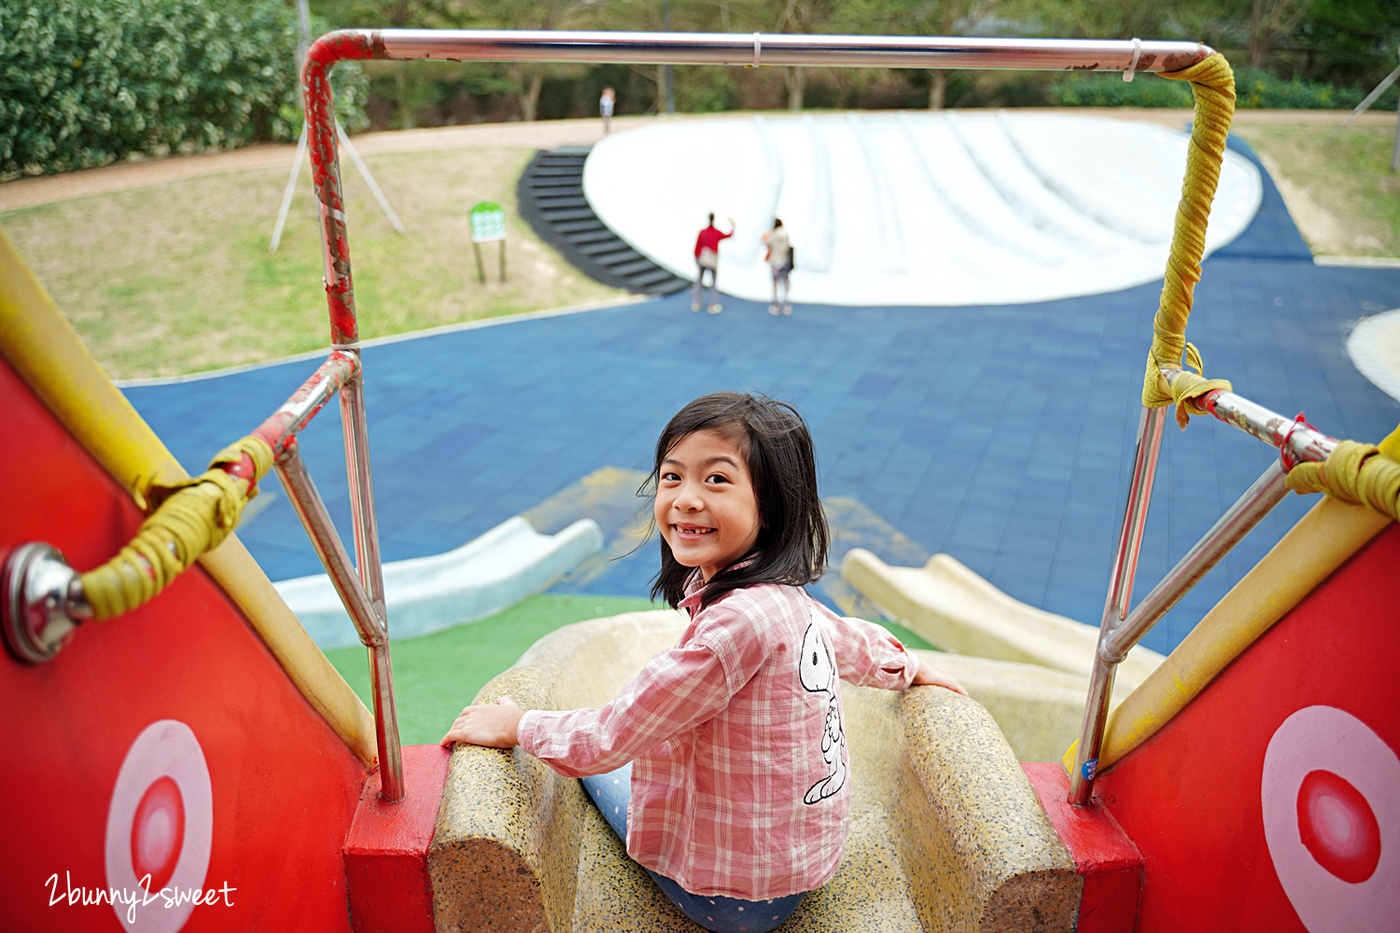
(83, 84)
(1254, 89)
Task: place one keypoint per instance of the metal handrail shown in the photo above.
(753, 50)
(362, 594)
(1297, 441)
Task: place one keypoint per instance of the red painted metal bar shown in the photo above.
(282, 426)
(619, 47)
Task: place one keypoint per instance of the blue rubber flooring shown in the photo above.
(1000, 435)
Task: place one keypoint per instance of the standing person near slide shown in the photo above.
(707, 260)
(605, 108)
(779, 257)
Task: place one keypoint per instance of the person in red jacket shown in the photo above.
(707, 260)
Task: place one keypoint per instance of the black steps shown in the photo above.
(551, 199)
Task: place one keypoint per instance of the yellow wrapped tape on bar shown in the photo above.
(43, 348)
(1366, 474)
(1213, 88)
(191, 517)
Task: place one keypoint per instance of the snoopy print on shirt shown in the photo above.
(817, 672)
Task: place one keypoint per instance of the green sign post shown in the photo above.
(488, 223)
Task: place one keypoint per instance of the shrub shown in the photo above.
(1110, 90)
(1254, 89)
(83, 84)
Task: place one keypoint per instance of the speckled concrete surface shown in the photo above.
(1039, 710)
(946, 833)
(999, 864)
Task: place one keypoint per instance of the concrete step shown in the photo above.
(590, 235)
(551, 198)
(559, 214)
(557, 202)
(637, 266)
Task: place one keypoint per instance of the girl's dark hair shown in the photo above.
(791, 547)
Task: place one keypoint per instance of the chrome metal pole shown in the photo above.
(777, 49)
(311, 509)
(1149, 442)
(359, 476)
(1144, 475)
(1266, 492)
(1296, 440)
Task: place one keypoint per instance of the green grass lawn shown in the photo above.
(1340, 192)
(436, 675)
(177, 278)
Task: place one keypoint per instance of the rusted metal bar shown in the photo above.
(282, 426)
(364, 613)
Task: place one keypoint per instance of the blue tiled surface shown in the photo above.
(1000, 435)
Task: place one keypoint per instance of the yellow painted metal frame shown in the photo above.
(48, 354)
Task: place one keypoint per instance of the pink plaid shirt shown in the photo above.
(740, 784)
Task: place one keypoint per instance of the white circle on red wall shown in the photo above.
(1331, 816)
(160, 822)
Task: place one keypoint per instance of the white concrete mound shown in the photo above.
(914, 208)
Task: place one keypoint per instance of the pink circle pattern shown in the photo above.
(1324, 738)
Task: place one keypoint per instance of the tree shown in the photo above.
(921, 18)
(1270, 19)
(527, 77)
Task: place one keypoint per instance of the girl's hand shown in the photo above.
(932, 676)
(493, 726)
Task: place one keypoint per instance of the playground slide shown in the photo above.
(957, 610)
(427, 594)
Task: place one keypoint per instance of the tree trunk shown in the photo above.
(1258, 34)
(405, 105)
(796, 86)
(528, 95)
(937, 89)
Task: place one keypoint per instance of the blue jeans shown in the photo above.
(611, 792)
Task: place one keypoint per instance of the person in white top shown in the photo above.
(605, 108)
(779, 257)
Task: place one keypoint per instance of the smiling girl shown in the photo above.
(722, 764)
